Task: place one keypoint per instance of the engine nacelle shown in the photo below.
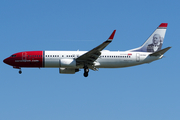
(68, 70)
(68, 63)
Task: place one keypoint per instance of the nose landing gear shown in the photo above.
(17, 67)
(20, 71)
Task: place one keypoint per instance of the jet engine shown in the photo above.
(68, 63)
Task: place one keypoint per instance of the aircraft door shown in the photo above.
(137, 57)
(24, 56)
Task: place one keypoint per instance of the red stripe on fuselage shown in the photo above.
(27, 59)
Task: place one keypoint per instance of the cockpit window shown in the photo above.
(13, 55)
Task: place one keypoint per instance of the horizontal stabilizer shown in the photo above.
(160, 52)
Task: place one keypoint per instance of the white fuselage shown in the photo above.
(107, 59)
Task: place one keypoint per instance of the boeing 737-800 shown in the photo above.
(70, 62)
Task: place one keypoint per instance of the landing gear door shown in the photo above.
(137, 57)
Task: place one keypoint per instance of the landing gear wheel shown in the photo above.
(86, 71)
(85, 74)
(20, 71)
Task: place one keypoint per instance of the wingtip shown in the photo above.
(112, 35)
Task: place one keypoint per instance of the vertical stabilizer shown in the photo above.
(155, 41)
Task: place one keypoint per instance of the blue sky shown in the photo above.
(149, 91)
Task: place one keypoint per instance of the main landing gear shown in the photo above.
(86, 71)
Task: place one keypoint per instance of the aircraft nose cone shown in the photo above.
(6, 61)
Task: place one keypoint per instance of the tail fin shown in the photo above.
(155, 41)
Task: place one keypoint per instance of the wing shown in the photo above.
(89, 57)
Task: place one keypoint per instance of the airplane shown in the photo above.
(70, 62)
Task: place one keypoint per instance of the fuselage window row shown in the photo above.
(115, 56)
(58, 56)
(34, 55)
(72, 56)
(52, 55)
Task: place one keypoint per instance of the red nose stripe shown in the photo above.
(26, 59)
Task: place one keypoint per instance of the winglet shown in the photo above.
(112, 36)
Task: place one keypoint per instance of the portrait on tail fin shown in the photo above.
(155, 41)
(156, 44)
